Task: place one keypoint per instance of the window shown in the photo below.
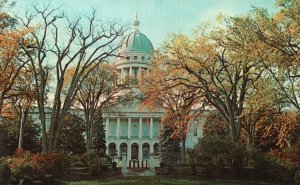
(128, 57)
(134, 131)
(143, 58)
(195, 129)
(135, 57)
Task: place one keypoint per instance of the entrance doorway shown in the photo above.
(135, 151)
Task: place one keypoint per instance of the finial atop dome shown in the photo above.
(136, 23)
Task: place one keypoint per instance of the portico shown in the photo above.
(133, 133)
(135, 136)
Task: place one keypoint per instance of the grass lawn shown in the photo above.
(163, 181)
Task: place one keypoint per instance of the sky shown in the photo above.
(157, 17)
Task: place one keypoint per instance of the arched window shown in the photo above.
(112, 149)
(134, 151)
(123, 148)
(156, 149)
(146, 151)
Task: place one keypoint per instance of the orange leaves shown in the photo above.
(282, 129)
(10, 42)
(289, 129)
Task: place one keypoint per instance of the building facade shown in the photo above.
(133, 132)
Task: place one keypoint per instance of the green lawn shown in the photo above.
(163, 181)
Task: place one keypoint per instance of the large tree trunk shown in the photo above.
(21, 134)
(1, 103)
(41, 107)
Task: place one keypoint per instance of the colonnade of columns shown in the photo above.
(129, 71)
(129, 128)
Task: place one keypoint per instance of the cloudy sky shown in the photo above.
(157, 17)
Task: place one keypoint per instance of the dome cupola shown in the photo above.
(136, 42)
(135, 54)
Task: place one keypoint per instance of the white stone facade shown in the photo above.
(134, 132)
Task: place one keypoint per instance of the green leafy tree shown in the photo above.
(216, 152)
(31, 135)
(98, 138)
(72, 135)
(169, 147)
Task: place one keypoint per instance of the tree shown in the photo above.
(11, 125)
(169, 147)
(12, 61)
(214, 125)
(99, 92)
(279, 38)
(216, 152)
(260, 104)
(289, 130)
(98, 139)
(72, 135)
(161, 89)
(278, 131)
(80, 46)
(222, 64)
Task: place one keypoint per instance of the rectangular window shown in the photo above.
(135, 57)
(195, 129)
(124, 128)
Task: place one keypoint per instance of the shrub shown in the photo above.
(23, 170)
(26, 167)
(270, 166)
(94, 162)
(214, 153)
(114, 165)
(4, 171)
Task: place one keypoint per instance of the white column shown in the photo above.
(140, 74)
(140, 128)
(107, 128)
(129, 127)
(118, 128)
(140, 153)
(151, 148)
(128, 153)
(130, 71)
(122, 75)
(151, 127)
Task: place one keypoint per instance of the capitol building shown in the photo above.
(133, 132)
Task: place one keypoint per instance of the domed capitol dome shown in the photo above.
(135, 52)
(136, 42)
